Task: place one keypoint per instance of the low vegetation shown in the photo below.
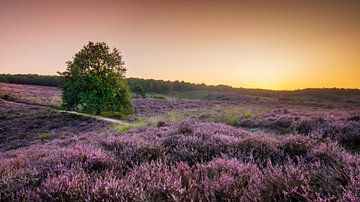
(182, 162)
(179, 150)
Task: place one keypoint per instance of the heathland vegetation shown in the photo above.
(220, 144)
(179, 150)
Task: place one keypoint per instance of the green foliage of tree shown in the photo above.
(95, 81)
(139, 90)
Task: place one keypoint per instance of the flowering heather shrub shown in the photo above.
(288, 183)
(135, 153)
(154, 107)
(194, 149)
(344, 130)
(354, 118)
(346, 133)
(155, 182)
(223, 180)
(84, 187)
(66, 187)
(255, 148)
(296, 146)
(306, 127)
(27, 169)
(185, 128)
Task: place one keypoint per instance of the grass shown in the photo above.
(113, 115)
(159, 97)
(139, 123)
(193, 95)
(45, 137)
(230, 116)
(169, 117)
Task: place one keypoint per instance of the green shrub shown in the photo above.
(7, 97)
(45, 137)
(159, 97)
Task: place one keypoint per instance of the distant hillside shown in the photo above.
(33, 79)
(201, 91)
(149, 85)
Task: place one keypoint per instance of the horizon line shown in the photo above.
(210, 85)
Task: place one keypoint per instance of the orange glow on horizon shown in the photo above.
(259, 44)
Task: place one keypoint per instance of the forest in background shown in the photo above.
(210, 91)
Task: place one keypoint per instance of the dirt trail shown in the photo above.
(95, 117)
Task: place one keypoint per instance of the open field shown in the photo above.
(248, 149)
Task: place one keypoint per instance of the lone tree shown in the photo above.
(94, 81)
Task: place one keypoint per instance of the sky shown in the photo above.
(278, 44)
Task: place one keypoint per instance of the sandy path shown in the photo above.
(101, 118)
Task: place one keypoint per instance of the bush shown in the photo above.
(133, 153)
(45, 137)
(255, 149)
(306, 127)
(281, 126)
(7, 97)
(159, 97)
(185, 128)
(354, 118)
(223, 180)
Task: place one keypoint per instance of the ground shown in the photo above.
(246, 149)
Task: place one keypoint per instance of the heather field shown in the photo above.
(250, 149)
(23, 124)
(31, 94)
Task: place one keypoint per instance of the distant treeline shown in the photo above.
(33, 79)
(149, 85)
(167, 87)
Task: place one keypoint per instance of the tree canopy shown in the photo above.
(139, 90)
(94, 81)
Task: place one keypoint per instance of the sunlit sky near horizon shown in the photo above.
(279, 44)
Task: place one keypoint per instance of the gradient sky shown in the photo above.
(274, 44)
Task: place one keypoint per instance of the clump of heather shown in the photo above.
(27, 169)
(223, 179)
(346, 133)
(155, 182)
(134, 152)
(154, 107)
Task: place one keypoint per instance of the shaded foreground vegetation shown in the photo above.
(179, 150)
(22, 125)
(182, 162)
